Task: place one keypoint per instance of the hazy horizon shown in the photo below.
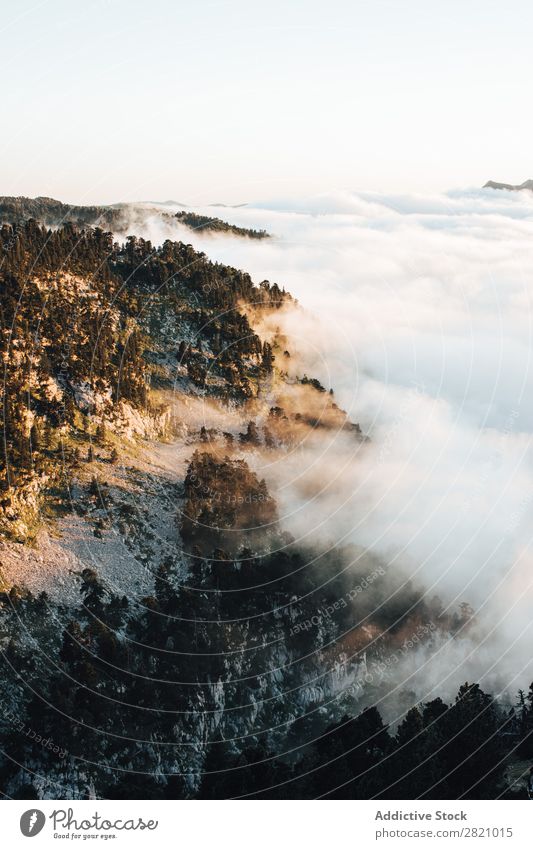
(230, 102)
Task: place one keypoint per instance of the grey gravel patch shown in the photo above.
(126, 556)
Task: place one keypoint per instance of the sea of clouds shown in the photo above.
(418, 312)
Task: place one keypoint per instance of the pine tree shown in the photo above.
(35, 437)
(94, 487)
(48, 436)
(101, 434)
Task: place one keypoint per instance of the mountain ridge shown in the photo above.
(526, 185)
(120, 218)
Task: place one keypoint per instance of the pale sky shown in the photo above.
(241, 101)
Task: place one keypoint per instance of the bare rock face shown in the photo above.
(528, 184)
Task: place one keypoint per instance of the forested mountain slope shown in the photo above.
(163, 634)
(119, 217)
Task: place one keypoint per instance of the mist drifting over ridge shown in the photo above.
(417, 310)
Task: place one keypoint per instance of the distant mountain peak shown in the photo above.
(119, 217)
(527, 184)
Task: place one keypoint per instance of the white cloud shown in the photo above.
(418, 311)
